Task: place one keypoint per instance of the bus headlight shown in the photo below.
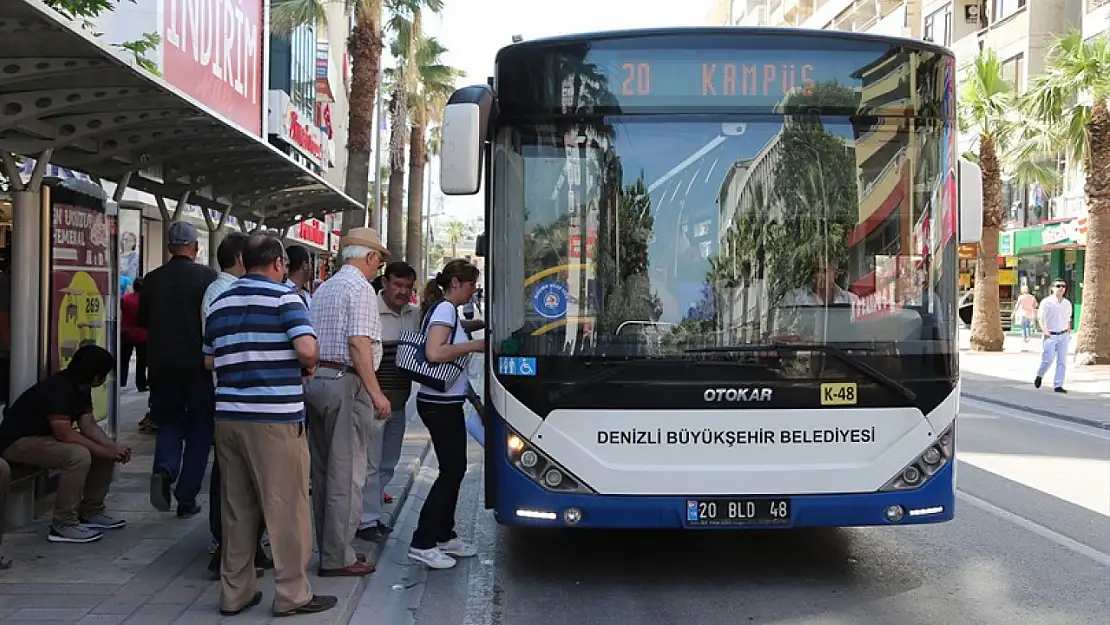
(542, 470)
(933, 459)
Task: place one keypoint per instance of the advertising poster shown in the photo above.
(81, 275)
(130, 251)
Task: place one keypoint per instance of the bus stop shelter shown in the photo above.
(70, 99)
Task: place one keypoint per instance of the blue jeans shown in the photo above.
(181, 404)
(1055, 347)
(1026, 328)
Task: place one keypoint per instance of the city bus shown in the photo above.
(721, 277)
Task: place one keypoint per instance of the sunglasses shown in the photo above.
(1059, 286)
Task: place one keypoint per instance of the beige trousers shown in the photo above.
(84, 480)
(341, 423)
(264, 474)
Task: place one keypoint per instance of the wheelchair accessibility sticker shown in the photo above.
(516, 365)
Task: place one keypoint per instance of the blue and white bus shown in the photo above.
(722, 277)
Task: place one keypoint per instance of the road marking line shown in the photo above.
(1059, 424)
(1068, 543)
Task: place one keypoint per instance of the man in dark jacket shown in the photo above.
(181, 393)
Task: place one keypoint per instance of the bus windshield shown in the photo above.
(634, 235)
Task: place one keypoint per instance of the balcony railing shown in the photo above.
(863, 14)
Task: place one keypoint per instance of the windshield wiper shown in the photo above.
(616, 366)
(852, 361)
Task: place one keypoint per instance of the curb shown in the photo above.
(1094, 423)
(393, 598)
(374, 554)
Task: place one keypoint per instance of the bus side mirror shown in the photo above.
(970, 202)
(466, 123)
(460, 157)
(480, 246)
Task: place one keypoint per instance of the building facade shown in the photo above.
(1044, 233)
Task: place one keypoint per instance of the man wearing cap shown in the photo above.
(345, 404)
(181, 392)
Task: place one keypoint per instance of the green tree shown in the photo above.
(407, 23)
(1076, 68)
(452, 234)
(814, 192)
(986, 102)
(365, 48)
(434, 86)
(621, 258)
(86, 12)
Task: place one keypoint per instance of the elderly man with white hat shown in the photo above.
(345, 404)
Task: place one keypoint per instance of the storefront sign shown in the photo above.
(969, 251)
(293, 127)
(310, 231)
(1006, 244)
(80, 282)
(1056, 234)
(212, 50)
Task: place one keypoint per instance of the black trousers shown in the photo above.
(447, 427)
(126, 348)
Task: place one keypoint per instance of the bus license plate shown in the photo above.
(705, 512)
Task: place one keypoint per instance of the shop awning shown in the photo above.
(64, 91)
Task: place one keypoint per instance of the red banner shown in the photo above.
(212, 50)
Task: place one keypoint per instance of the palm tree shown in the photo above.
(365, 47)
(407, 23)
(986, 101)
(1076, 68)
(434, 85)
(452, 234)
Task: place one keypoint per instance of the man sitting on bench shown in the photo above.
(38, 431)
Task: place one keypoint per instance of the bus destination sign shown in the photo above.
(716, 79)
(759, 79)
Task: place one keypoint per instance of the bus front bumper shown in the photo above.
(521, 502)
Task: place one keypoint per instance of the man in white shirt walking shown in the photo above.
(1055, 316)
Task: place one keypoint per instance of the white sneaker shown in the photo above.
(458, 548)
(433, 558)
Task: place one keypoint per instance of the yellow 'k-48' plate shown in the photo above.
(839, 394)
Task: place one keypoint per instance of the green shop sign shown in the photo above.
(1029, 240)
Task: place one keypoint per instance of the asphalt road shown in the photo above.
(1029, 546)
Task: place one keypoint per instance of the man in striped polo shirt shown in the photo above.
(259, 341)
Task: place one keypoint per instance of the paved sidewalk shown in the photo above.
(154, 571)
(1006, 379)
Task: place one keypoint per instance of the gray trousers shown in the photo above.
(341, 426)
(381, 464)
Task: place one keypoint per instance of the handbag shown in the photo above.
(412, 359)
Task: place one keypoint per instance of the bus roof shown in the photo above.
(794, 33)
